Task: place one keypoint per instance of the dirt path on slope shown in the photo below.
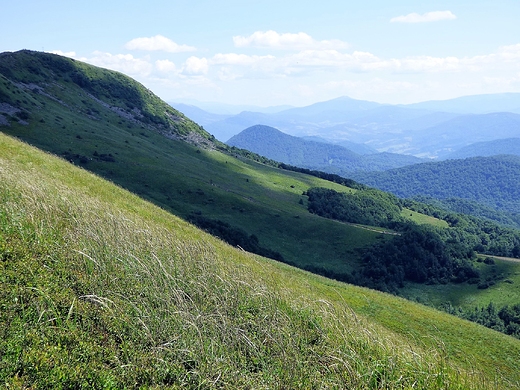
(512, 259)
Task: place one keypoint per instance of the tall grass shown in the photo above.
(99, 289)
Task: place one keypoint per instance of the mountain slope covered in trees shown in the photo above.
(272, 143)
(487, 149)
(493, 181)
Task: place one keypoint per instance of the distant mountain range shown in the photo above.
(229, 109)
(428, 129)
(476, 104)
(334, 158)
(489, 148)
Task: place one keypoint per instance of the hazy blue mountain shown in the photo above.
(476, 104)
(341, 119)
(428, 120)
(278, 146)
(225, 129)
(444, 138)
(429, 129)
(358, 148)
(493, 181)
(197, 114)
(490, 148)
(231, 109)
(355, 147)
(331, 110)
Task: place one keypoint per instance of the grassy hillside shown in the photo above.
(100, 289)
(503, 288)
(82, 113)
(109, 124)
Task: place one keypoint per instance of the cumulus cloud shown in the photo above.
(165, 66)
(125, 63)
(196, 66)
(71, 54)
(238, 59)
(506, 58)
(357, 61)
(287, 41)
(157, 43)
(434, 16)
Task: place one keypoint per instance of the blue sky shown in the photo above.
(269, 53)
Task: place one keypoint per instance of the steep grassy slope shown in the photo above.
(79, 88)
(82, 113)
(99, 289)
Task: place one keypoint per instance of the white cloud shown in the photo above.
(511, 52)
(238, 59)
(196, 66)
(165, 66)
(231, 66)
(434, 16)
(157, 43)
(357, 61)
(287, 41)
(125, 63)
(71, 54)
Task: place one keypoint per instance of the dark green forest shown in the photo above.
(412, 252)
(492, 181)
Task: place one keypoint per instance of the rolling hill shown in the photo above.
(101, 289)
(493, 181)
(477, 104)
(272, 143)
(486, 149)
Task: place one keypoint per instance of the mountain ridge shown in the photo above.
(382, 126)
(334, 158)
(493, 180)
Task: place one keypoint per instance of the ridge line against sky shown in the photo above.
(269, 54)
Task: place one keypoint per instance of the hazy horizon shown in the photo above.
(270, 53)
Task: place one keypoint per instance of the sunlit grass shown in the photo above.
(504, 288)
(99, 289)
(423, 219)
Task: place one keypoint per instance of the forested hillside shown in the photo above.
(415, 253)
(486, 149)
(335, 158)
(493, 181)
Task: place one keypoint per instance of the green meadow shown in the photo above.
(101, 289)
